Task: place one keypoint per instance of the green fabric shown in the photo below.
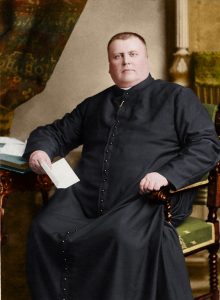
(193, 232)
(212, 110)
(33, 35)
(206, 68)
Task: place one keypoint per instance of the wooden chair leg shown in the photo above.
(213, 265)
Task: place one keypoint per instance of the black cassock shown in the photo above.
(100, 239)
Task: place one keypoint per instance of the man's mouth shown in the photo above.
(127, 70)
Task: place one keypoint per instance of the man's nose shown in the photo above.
(126, 59)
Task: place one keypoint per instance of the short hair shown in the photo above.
(125, 36)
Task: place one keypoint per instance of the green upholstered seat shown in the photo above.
(195, 233)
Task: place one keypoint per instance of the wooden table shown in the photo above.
(11, 181)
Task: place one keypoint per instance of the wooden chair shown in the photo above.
(196, 234)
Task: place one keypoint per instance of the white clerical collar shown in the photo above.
(126, 88)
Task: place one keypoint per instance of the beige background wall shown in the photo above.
(204, 25)
(83, 69)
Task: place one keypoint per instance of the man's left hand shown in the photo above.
(152, 182)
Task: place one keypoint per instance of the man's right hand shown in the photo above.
(35, 160)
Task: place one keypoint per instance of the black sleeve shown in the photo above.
(60, 137)
(200, 146)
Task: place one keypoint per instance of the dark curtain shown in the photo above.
(33, 34)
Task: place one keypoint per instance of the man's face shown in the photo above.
(128, 62)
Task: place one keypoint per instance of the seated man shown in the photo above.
(104, 238)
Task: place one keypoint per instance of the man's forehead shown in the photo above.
(130, 44)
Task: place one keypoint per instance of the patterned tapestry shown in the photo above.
(206, 77)
(33, 34)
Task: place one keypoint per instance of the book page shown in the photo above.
(10, 140)
(13, 149)
(61, 173)
(11, 146)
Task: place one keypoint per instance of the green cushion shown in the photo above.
(195, 233)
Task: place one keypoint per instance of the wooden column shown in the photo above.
(179, 70)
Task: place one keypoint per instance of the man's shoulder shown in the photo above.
(98, 96)
(102, 93)
(164, 84)
(173, 90)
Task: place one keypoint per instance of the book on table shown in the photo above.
(11, 151)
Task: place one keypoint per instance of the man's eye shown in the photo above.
(117, 56)
(133, 54)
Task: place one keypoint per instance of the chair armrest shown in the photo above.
(213, 201)
(191, 186)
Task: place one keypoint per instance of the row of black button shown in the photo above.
(67, 262)
(107, 156)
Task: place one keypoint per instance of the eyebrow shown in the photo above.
(114, 53)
